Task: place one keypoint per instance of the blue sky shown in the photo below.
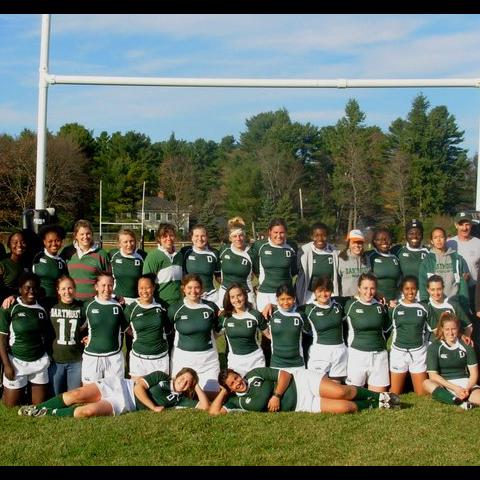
(313, 46)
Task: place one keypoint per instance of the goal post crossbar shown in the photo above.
(46, 79)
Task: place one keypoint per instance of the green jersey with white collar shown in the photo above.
(236, 266)
(275, 265)
(368, 324)
(409, 325)
(261, 384)
(106, 323)
(286, 329)
(326, 322)
(194, 325)
(450, 361)
(149, 326)
(241, 330)
(162, 393)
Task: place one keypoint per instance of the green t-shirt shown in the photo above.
(386, 268)
(67, 320)
(274, 265)
(450, 362)
(322, 266)
(410, 259)
(368, 323)
(49, 269)
(194, 325)
(448, 305)
(9, 273)
(106, 322)
(204, 263)
(236, 267)
(241, 331)
(126, 270)
(409, 325)
(149, 326)
(261, 385)
(162, 393)
(286, 329)
(326, 323)
(28, 329)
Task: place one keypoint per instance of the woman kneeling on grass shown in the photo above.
(274, 390)
(114, 396)
(452, 366)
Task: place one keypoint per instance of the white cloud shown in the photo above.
(13, 116)
(440, 55)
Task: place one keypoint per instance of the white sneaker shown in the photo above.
(27, 410)
(389, 400)
(468, 405)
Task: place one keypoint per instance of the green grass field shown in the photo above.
(423, 433)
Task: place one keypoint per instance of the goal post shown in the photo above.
(46, 79)
(122, 224)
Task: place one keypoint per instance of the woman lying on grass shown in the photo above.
(114, 396)
(274, 390)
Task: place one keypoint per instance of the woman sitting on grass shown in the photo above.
(114, 396)
(274, 390)
(452, 366)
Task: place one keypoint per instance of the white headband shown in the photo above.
(237, 231)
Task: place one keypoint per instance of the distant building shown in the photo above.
(159, 210)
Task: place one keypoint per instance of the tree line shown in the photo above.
(351, 175)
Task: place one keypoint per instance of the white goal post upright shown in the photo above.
(134, 224)
(47, 79)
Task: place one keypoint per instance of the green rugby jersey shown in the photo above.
(67, 320)
(410, 259)
(106, 322)
(326, 322)
(28, 329)
(409, 325)
(261, 386)
(241, 330)
(448, 305)
(322, 266)
(126, 270)
(274, 265)
(368, 323)
(9, 273)
(286, 329)
(162, 393)
(84, 267)
(149, 326)
(386, 268)
(194, 325)
(236, 267)
(204, 263)
(450, 361)
(49, 268)
(168, 270)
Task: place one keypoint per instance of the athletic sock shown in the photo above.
(442, 395)
(365, 394)
(365, 404)
(63, 412)
(55, 402)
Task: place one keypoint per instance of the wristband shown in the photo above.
(275, 394)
